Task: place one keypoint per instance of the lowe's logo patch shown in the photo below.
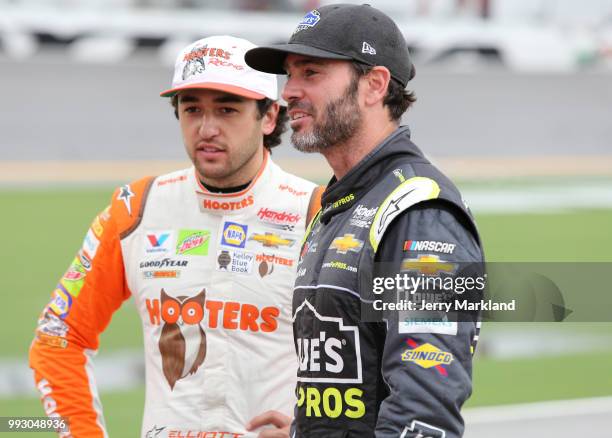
(309, 20)
(333, 354)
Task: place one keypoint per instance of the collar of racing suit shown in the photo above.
(235, 202)
(340, 195)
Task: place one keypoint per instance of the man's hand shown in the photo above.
(281, 422)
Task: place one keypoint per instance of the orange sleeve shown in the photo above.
(315, 203)
(81, 307)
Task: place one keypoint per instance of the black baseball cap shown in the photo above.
(341, 31)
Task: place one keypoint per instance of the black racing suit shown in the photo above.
(401, 376)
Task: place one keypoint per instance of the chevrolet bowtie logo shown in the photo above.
(428, 265)
(346, 243)
(271, 240)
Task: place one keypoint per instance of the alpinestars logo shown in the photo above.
(125, 195)
(392, 210)
(423, 430)
(154, 431)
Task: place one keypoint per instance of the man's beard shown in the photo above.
(340, 123)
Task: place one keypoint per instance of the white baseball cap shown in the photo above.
(217, 63)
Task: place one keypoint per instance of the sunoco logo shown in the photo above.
(333, 354)
(427, 356)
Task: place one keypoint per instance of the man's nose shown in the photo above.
(209, 128)
(291, 91)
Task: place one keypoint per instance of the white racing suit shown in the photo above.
(211, 276)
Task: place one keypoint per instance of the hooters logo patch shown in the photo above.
(182, 343)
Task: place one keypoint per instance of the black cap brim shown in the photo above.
(271, 59)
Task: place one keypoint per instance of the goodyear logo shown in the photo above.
(428, 265)
(427, 356)
(234, 234)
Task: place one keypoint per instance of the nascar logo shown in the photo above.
(429, 245)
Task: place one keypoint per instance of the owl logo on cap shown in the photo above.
(309, 20)
(195, 64)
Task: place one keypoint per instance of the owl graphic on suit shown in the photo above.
(182, 343)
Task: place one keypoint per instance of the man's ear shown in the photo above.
(375, 85)
(270, 118)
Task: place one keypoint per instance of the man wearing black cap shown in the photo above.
(387, 209)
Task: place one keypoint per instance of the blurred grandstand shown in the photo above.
(539, 35)
(513, 102)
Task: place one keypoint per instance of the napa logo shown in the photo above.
(61, 302)
(427, 356)
(234, 234)
(309, 21)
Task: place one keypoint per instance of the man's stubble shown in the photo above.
(341, 121)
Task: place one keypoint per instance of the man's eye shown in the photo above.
(191, 109)
(309, 72)
(227, 110)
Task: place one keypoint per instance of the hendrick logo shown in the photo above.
(275, 217)
(363, 216)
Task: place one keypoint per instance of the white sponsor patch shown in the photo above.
(239, 262)
(91, 243)
(411, 323)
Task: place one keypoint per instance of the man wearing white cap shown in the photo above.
(209, 255)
